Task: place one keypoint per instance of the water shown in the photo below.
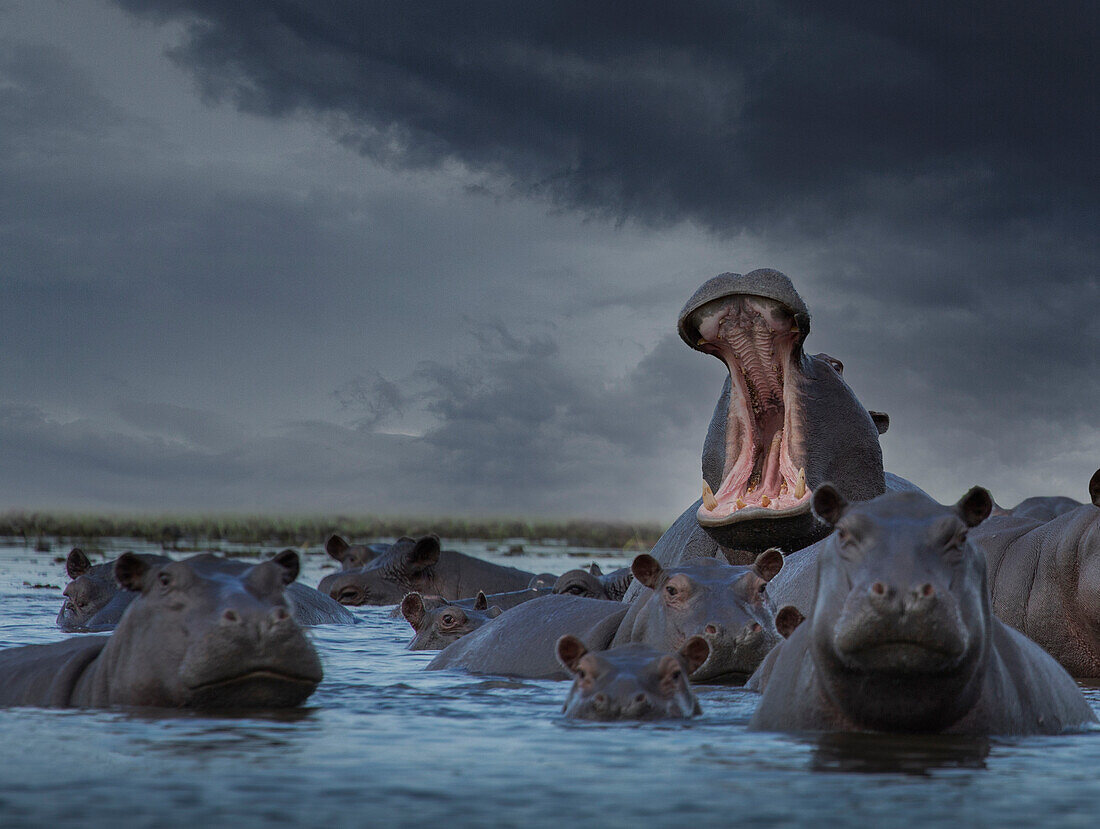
(383, 743)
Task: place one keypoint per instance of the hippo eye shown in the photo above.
(581, 673)
(676, 675)
(448, 619)
(762, 588)
(165, 579)
(672, 591)
(576, 590)
(836, 364)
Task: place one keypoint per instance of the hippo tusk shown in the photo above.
(709, 501)
(765, 501)
(800, 483)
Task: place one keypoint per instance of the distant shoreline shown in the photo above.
(185, 531)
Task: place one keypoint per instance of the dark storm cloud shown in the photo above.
(731, 114)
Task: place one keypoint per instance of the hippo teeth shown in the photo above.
(709, 501)
(800, 484)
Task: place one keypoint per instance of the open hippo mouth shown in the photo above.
(759, 341)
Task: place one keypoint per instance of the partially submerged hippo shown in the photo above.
(1044, 577)
(436, 627)
(594, 584)
(785, 422)
(902, 636)
(190, 638)
(631, 682)
(353, 556)
(94, 601)
(420, 566)
(728, 606)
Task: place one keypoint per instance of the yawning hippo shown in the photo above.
(593, 584)
(1045, 578)
(190, 638)
(785, 422)
(437, 626)
(95, 602)
(902, 636)
(421, 567)
(728, 606)
(631, 682)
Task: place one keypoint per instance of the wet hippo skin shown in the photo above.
(190, 638)
(902, 636)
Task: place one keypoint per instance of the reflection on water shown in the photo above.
(896, 754)
(384, 743)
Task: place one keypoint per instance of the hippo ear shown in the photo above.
(424, 553)
(405, 539)
(1094, 488)
(493, 612)
(594, 569)
(336, 547)
(290, 563)
(77, 563)
(569, 650)
(768, 563)
(130, 572)
(882, 421)
(829, 504)
(787, 619)
(646, 569)
(695, 652)
(975, 506)
(412, 608)
(481, 603)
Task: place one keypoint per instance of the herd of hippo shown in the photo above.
(844, 595)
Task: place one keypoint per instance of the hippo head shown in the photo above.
(728, 606)
(901, 620)
(541, 581)
(437, 627)
(352, 556)
(593, 584)
(786, 421)
(405, 568)
(87, 593)
(210, 640)
(631, 682)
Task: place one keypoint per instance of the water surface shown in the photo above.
(384, 743)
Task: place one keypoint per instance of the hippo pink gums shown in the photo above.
(190, 638)
(902, 637)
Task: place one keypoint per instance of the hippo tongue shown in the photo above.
(756, 338)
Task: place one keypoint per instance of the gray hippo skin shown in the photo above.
(95, 602)
(1045, 579)
(594, 584)
(420, 566)
(437, 627)
(631, 682)
(728, 606)
(191, 638)
(785, 422)
(505, 601)
(902, 636)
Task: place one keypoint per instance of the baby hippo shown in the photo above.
(437, 626)
(631, 682)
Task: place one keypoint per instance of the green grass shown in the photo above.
(183, 531)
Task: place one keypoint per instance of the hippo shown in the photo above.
(95, 602)
(420, 566)
(436, 627)
(1045, 578)
(504, 601)
(353, 556)
(631, 682)
(728, 606)
(1048, 507)
(594, 584)
(785, 422)
(191, 638)
(902, 635)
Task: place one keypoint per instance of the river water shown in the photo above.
(384, 743)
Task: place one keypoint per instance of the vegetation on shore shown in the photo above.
(192, 531)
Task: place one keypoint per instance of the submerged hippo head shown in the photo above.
(786, 421)
(901, 619)
(631, 682)
(728, 606)
(210, 639)
(353, 556)
(93, 589)
(593, 584)
(437, 626)
(389, 577)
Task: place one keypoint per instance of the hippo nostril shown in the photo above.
(639, 699)
(755, 627)
(280, 614)
(878, 588)
(927, 591)
(711, 629)
(231, 616)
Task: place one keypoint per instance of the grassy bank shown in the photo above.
(184, 531)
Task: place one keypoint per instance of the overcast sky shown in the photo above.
(426, 258)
